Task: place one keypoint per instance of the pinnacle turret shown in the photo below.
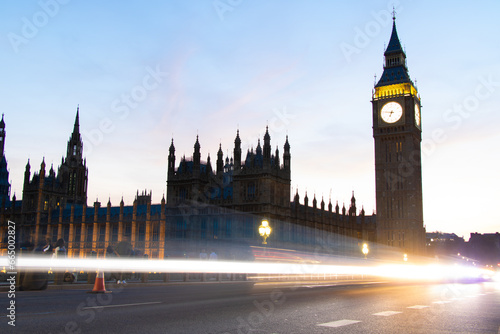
(75, 144)
(394, 45)
(237, 151)
(395, 69)
(2, 137)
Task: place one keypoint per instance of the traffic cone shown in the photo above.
(99, 283)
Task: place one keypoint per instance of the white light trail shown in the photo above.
(395, 271)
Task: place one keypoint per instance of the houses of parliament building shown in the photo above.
(210, 204)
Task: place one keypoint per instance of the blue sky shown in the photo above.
(146, 72)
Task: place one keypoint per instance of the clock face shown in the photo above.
(391, 112)
(417, 115)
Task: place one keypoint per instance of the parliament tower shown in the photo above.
(4, 172)
(45, 193)
(397, 133)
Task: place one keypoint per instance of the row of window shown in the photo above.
(396, 238)
(394, 207)
(394, 151)
(207, 229)
(393, 61)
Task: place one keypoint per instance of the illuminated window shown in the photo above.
(399, 151)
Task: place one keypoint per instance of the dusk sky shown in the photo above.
(144, 72)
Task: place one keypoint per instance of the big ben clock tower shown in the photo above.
(397, 132)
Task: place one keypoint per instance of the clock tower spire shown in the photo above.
(397, 134)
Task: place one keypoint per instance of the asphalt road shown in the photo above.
(261, 308)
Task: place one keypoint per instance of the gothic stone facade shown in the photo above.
(204, 208)
(397, 132)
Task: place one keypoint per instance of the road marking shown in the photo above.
(418, 307)
(316, 286)
(339, 323)
(386, 313)
(120, 305)
(441, 302)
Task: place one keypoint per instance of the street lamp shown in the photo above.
(264, 231)
(365, 249)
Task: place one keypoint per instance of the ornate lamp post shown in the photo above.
(365, 250)
(265, 231)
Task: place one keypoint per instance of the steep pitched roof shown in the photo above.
(394, 43)
(398, 72)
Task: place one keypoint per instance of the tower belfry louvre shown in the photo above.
(397, 133)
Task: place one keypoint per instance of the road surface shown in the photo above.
(369, 307)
